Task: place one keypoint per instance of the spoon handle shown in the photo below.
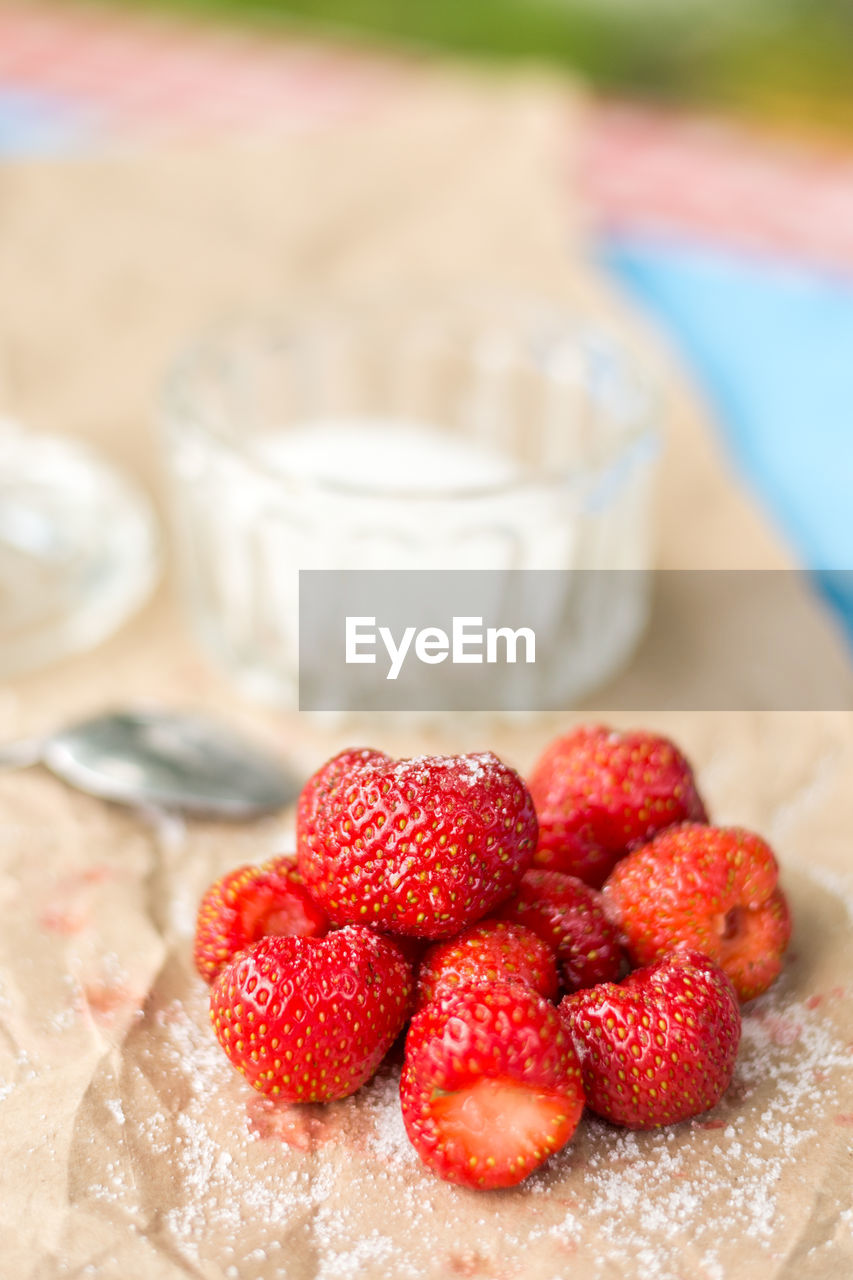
(21, 755)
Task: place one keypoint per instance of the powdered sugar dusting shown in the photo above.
(387, 1139)
(699, 1189)
(338, 1192)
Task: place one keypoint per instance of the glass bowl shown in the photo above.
(478, 432)
(79, 548)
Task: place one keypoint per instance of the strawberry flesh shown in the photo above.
(268, 915)
(491, 1084)
(249, 903)
(500, 1124)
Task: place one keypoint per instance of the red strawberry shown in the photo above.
(421, 847)
(569, 916)
(598, 793)
(661, 1046)
(492, 951)
(328, 777)
(491, 1085)
(248, 904)
(310, 1019)
(714, 889)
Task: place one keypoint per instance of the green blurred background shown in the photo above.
(785, 60)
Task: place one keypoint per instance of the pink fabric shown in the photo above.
(146, 75)
(666, 173)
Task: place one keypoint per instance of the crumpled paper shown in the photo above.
(130, 1148)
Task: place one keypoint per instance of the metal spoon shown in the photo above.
(162, 760)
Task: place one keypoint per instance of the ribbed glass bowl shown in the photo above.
(482, 432)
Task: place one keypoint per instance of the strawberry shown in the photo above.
(249, 903)
(598, 793)
(492, 951)
(421, 847)
(661, 1046)
(491, 1085)
(713, 889)
(310, 1019)
(570, 917)
(328, 777)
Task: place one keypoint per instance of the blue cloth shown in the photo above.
(773, 346)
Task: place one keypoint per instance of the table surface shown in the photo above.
(131, 1149)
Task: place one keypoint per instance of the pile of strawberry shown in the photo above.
(444, 893)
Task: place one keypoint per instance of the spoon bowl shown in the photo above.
(163, 760)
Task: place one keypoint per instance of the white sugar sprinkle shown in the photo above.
(342, 1186)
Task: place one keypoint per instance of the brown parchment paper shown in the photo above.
(128, 1146)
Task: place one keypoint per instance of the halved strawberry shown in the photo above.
(491, 951)
(249, 903)
(490, 1086)
(500, 1125)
